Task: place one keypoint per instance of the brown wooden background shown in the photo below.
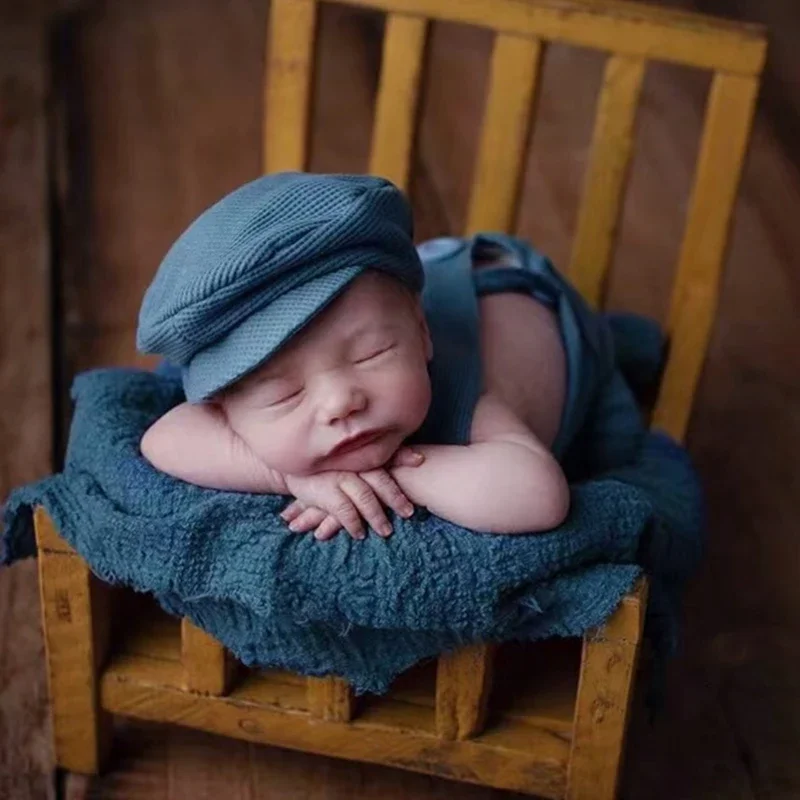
(120, 121)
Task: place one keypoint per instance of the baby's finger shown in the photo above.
(292, 511)
(307, 520)
(367, 504)
(387, 489)
(327, 529)
(348, 515)
(407, 457)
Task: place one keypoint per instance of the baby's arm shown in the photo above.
(196, 444)
(504, 481)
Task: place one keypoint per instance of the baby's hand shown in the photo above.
(330, 501)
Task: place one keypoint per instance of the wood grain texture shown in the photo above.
(634, 29)
(509, 756)
(463, 686)
(119, 230)
(25, 380)
(329, 699)
(504, 137)
(207, 666)
(287, 82)
(140, 74)
(25, 387)
(396, 107)
(75, 622)
(695, 295)
(606, 177)
(607, 674)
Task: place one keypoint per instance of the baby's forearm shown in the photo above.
(194, 443)
(494, 487)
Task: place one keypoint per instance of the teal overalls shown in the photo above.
(450, 301)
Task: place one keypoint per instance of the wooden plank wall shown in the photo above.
(781, 90)
(163, 116)
(25, 383)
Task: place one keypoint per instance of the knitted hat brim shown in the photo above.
(257, 338)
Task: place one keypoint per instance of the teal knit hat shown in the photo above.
(259, 265)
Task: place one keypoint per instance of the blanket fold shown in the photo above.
(365, 610)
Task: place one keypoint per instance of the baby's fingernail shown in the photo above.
(385, 530)
(407, 511)
(417, 457)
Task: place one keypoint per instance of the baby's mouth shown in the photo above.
(357, 442)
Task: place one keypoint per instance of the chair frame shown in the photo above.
(186, 677)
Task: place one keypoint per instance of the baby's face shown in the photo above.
(345, 392)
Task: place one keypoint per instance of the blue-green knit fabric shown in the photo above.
(262, 262)
(453, 283)
(365, 610)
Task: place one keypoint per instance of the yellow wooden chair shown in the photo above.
(561, 733)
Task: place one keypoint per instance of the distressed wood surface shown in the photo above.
(507, 757)
(504, 137)
(396, 104)
(76, 618)
(607, 675)
(695, 294)
(463, 686)
(287, 82)
(25, 391)
(606, 177)
(329, 699)
(635, 29)
(207, 666)
(744, 433)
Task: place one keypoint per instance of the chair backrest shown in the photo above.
(631, 34)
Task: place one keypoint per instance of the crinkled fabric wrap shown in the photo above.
(365, 610)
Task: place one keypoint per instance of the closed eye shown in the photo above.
(374, 354)
(276, 401)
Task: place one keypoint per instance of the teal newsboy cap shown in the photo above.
(259, 265)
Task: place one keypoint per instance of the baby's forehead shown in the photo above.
(370, 293)
(373, 304)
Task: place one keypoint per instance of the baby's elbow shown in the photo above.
(152, 448)
(555, 507)
(148, 445)
(547, 506)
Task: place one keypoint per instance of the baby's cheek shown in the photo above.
(278, 452)
(410, 394)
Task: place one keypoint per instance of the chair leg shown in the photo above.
(75, 622)
(463, 686)
(608, 669)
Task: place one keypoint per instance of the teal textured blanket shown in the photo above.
(365, 610)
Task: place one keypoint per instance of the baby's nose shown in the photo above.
(339, 401)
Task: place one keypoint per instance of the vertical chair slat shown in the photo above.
(207, 666)
(504, 137)
(605, 687)
(287, 84)
(396, 109)
(463, 685)
(723, 147)
(606, 176)
(76, 624)
(329, 699)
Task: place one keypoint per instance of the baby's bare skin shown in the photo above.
(359, 370)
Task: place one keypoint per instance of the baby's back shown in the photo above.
(523, 360)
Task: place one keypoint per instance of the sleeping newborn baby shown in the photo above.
(322, 360)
